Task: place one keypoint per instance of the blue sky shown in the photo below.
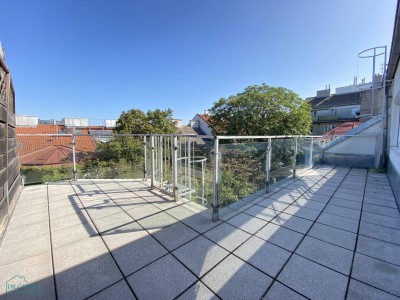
(97, 58)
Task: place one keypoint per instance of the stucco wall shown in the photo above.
(203, 125)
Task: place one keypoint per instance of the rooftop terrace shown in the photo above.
(330, 233)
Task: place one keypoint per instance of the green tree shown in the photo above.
(130, 149)
(261, 110)
(135, 121)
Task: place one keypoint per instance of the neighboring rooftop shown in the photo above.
(335, 100)
(340, 130)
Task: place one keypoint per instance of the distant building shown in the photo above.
(200, 123)
(348, 104)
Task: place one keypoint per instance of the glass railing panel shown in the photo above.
(282, 159)
(241, 169)
(114, 157)
(46, 158)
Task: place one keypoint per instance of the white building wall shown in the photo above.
(27, 121)
(394, 138)
(200, 123)
(364, 143)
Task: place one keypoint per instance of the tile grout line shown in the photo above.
(51, 243)
(294, 250)
(356, 243)
(168, 251)
(108, 249)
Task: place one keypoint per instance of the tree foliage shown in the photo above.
(261, 110)
(135, 121)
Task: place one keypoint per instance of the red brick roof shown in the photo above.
(33, 148)
(340, 130)
(206, 118)
(53, 155)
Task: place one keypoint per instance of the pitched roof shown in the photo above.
(340, 130)
(40, 129)
(206, 118)
(335, 100)
(53, 155)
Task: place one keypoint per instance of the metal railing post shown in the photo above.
(175, 167)
(145, 158)
(215, 204)
(152, 175)
(295, 157)
(160, 162)
(310, 159)
(74, 156)
(268, 165)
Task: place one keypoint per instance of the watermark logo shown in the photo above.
(19, 284)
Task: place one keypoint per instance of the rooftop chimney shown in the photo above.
(324, 93)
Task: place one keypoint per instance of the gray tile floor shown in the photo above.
(333, 233)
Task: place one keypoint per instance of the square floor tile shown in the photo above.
(157, 222)
(313, 280)
(333, 235)
(112, 222)
(175, 235)
(381, 220)
(120, 291)
(343, 211)
(37, 272)
(201, 222)
(346, 203)
(200, 255)
(247, 223)
(326, 254)
(227, 236)
(302, 212)
(133, 248)
(198, 291)
(262, 212)
(379, 249)
(84, 268)
(294, 223)
(377, 273)
(280, 236)
(18, 250)
(72, 234)
(361, 291)
(280, 292)
(338, 222)
(380, 232)
(263, 255)
(239, 280)
(165, 278)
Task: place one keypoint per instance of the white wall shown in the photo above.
(394, 142)
(363, 143)
(27, 121)
(200, 123)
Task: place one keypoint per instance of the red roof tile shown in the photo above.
(53, 155)
(34, 148)
(340, 130)
(206, 118)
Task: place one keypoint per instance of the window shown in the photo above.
(333, 111)
(354, 111)
(328, 127)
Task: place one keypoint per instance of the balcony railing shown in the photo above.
(209, 171)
